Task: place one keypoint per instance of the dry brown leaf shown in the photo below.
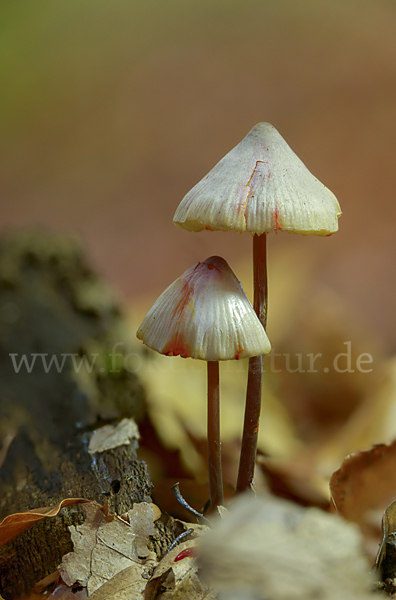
(296, 479)
(13, 525)
(112, 436)
(76, 566)
(365, 485)
(128, 584)
(305, 475)
(176, 577)
(373, 422)
(271, 548)
(141, 519)
(103, 548)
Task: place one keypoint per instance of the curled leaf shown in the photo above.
(364, 484)
(13, 525)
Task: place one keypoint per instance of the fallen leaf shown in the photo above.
(128, 584)
(365, 485)
(104, 548)
(373, 422)
(296, 479)
(76, 565)
(112, 436)
(13, 525)
(178, 579)
(141, 520)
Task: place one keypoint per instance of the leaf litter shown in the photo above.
(112, 558)
(103, 547)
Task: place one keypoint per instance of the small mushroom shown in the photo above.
(258, 187)
(205, 314)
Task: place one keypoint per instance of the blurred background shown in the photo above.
(112, 111)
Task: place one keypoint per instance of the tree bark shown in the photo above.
(53, 305)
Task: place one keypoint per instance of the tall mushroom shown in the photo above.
(205, 314)
(258, 187)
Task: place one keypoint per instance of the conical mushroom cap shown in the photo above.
(260, 186)
(204, 314)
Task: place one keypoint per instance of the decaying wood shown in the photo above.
(52, 304)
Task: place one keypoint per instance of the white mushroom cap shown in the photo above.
(260, 186)
(204, 314)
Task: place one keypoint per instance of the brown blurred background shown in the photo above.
(112, 111)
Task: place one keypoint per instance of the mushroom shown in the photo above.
(205, 314)
(258, 187)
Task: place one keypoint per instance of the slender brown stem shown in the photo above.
(255, 376)
(260, 301)
(214, 450)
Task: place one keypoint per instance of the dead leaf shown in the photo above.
(176, 577)
(112, 436)
(371, 423)
(128, 584)
(76, 566)
(141, 519)
(13, 525)
(103, 548)
(296, 479)
(365, 485)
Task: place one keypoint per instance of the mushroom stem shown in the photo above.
(214, 450)
(260, 301)
(255, 376)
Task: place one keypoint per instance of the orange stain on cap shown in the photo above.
(238, 353)
(185, 296)
(277, 221)
(177, 346)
